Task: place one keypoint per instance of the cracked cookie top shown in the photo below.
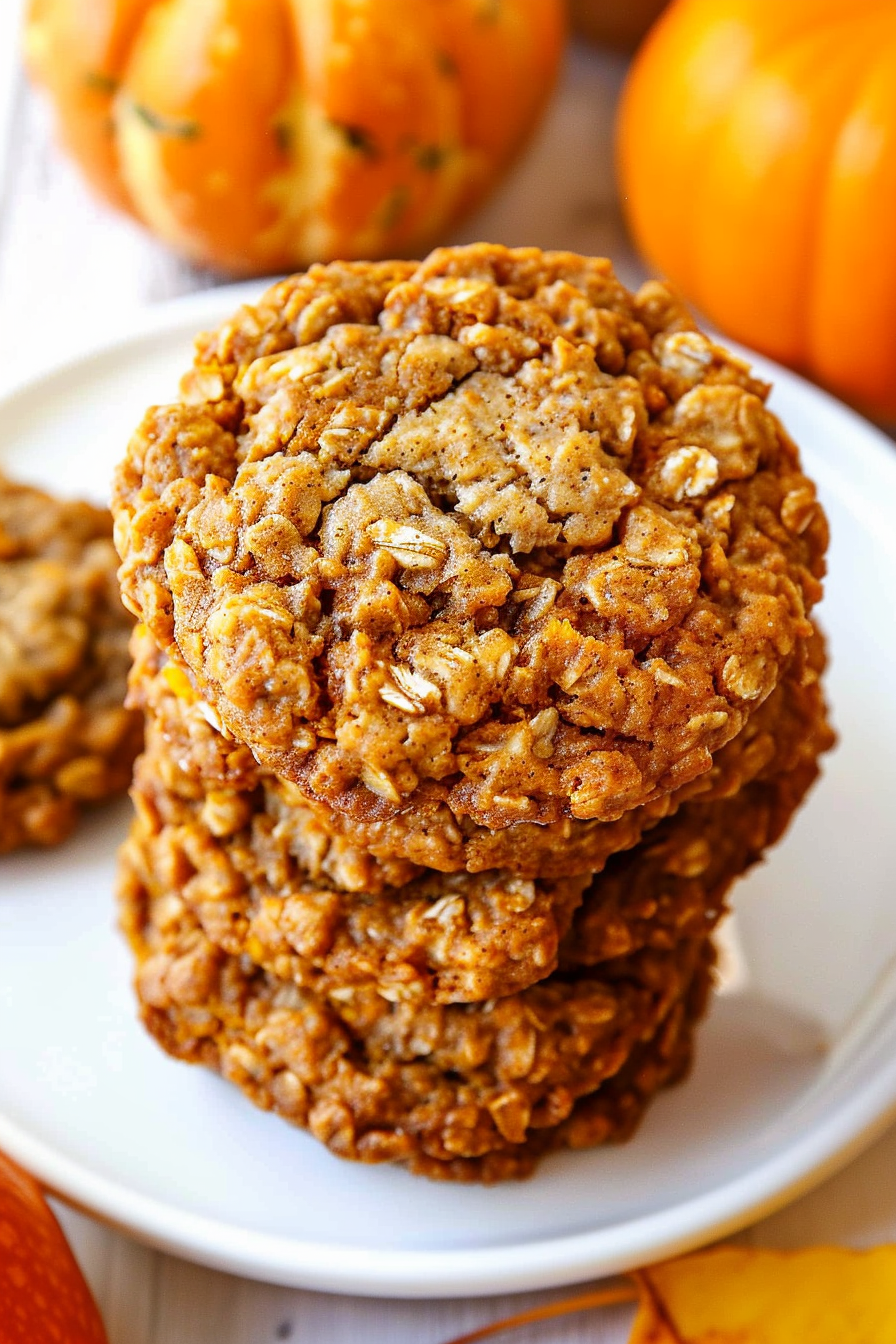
(488, 525)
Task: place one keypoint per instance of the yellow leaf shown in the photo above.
(735, 1295)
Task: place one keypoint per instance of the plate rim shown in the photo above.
(552, 1261)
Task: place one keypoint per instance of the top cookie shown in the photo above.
(488, 524)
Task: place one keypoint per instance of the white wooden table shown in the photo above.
(65, 263)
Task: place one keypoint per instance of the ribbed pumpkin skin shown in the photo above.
(259, 135)
(757, 158)
(43, 1296)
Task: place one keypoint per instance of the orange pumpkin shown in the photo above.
(757, 154)
(258, 135)
(43, 1296)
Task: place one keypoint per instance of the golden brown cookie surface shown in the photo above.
(377, 1081)
(786, 731)
(259, 889)
(65, 738)
(324, 1005)
(265, 880)
(488, 534)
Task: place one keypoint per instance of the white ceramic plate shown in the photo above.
(795, 1071)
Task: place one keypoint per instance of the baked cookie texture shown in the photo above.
(455, 1092)
(488, 532)
(66, 739)
(477, 662)
(405, 1023)
(315, 1029)
(265, 879)
(362, 857)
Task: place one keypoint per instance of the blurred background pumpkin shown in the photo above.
(757, 155)
(615, 23)
(259, 135)
(43, 1296)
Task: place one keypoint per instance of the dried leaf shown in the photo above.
(737, 1295)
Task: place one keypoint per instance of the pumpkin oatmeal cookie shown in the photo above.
(471, 1091)
(199, 760)
(268, 882)
(65, 737)
(426, 833)
(254, 876)
(485, 541)
(674, 883)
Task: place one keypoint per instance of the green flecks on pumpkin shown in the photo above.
(489, 11)
(358, 139)
(181, 130)
(283, 134)
(431, 157)
(101, 83)
(446, 64)
(394, 207)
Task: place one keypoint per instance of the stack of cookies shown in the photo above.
(476, 661)
(66, 740)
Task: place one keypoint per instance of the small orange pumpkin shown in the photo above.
(259, 135)
(43, 1296)
(757, 155)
